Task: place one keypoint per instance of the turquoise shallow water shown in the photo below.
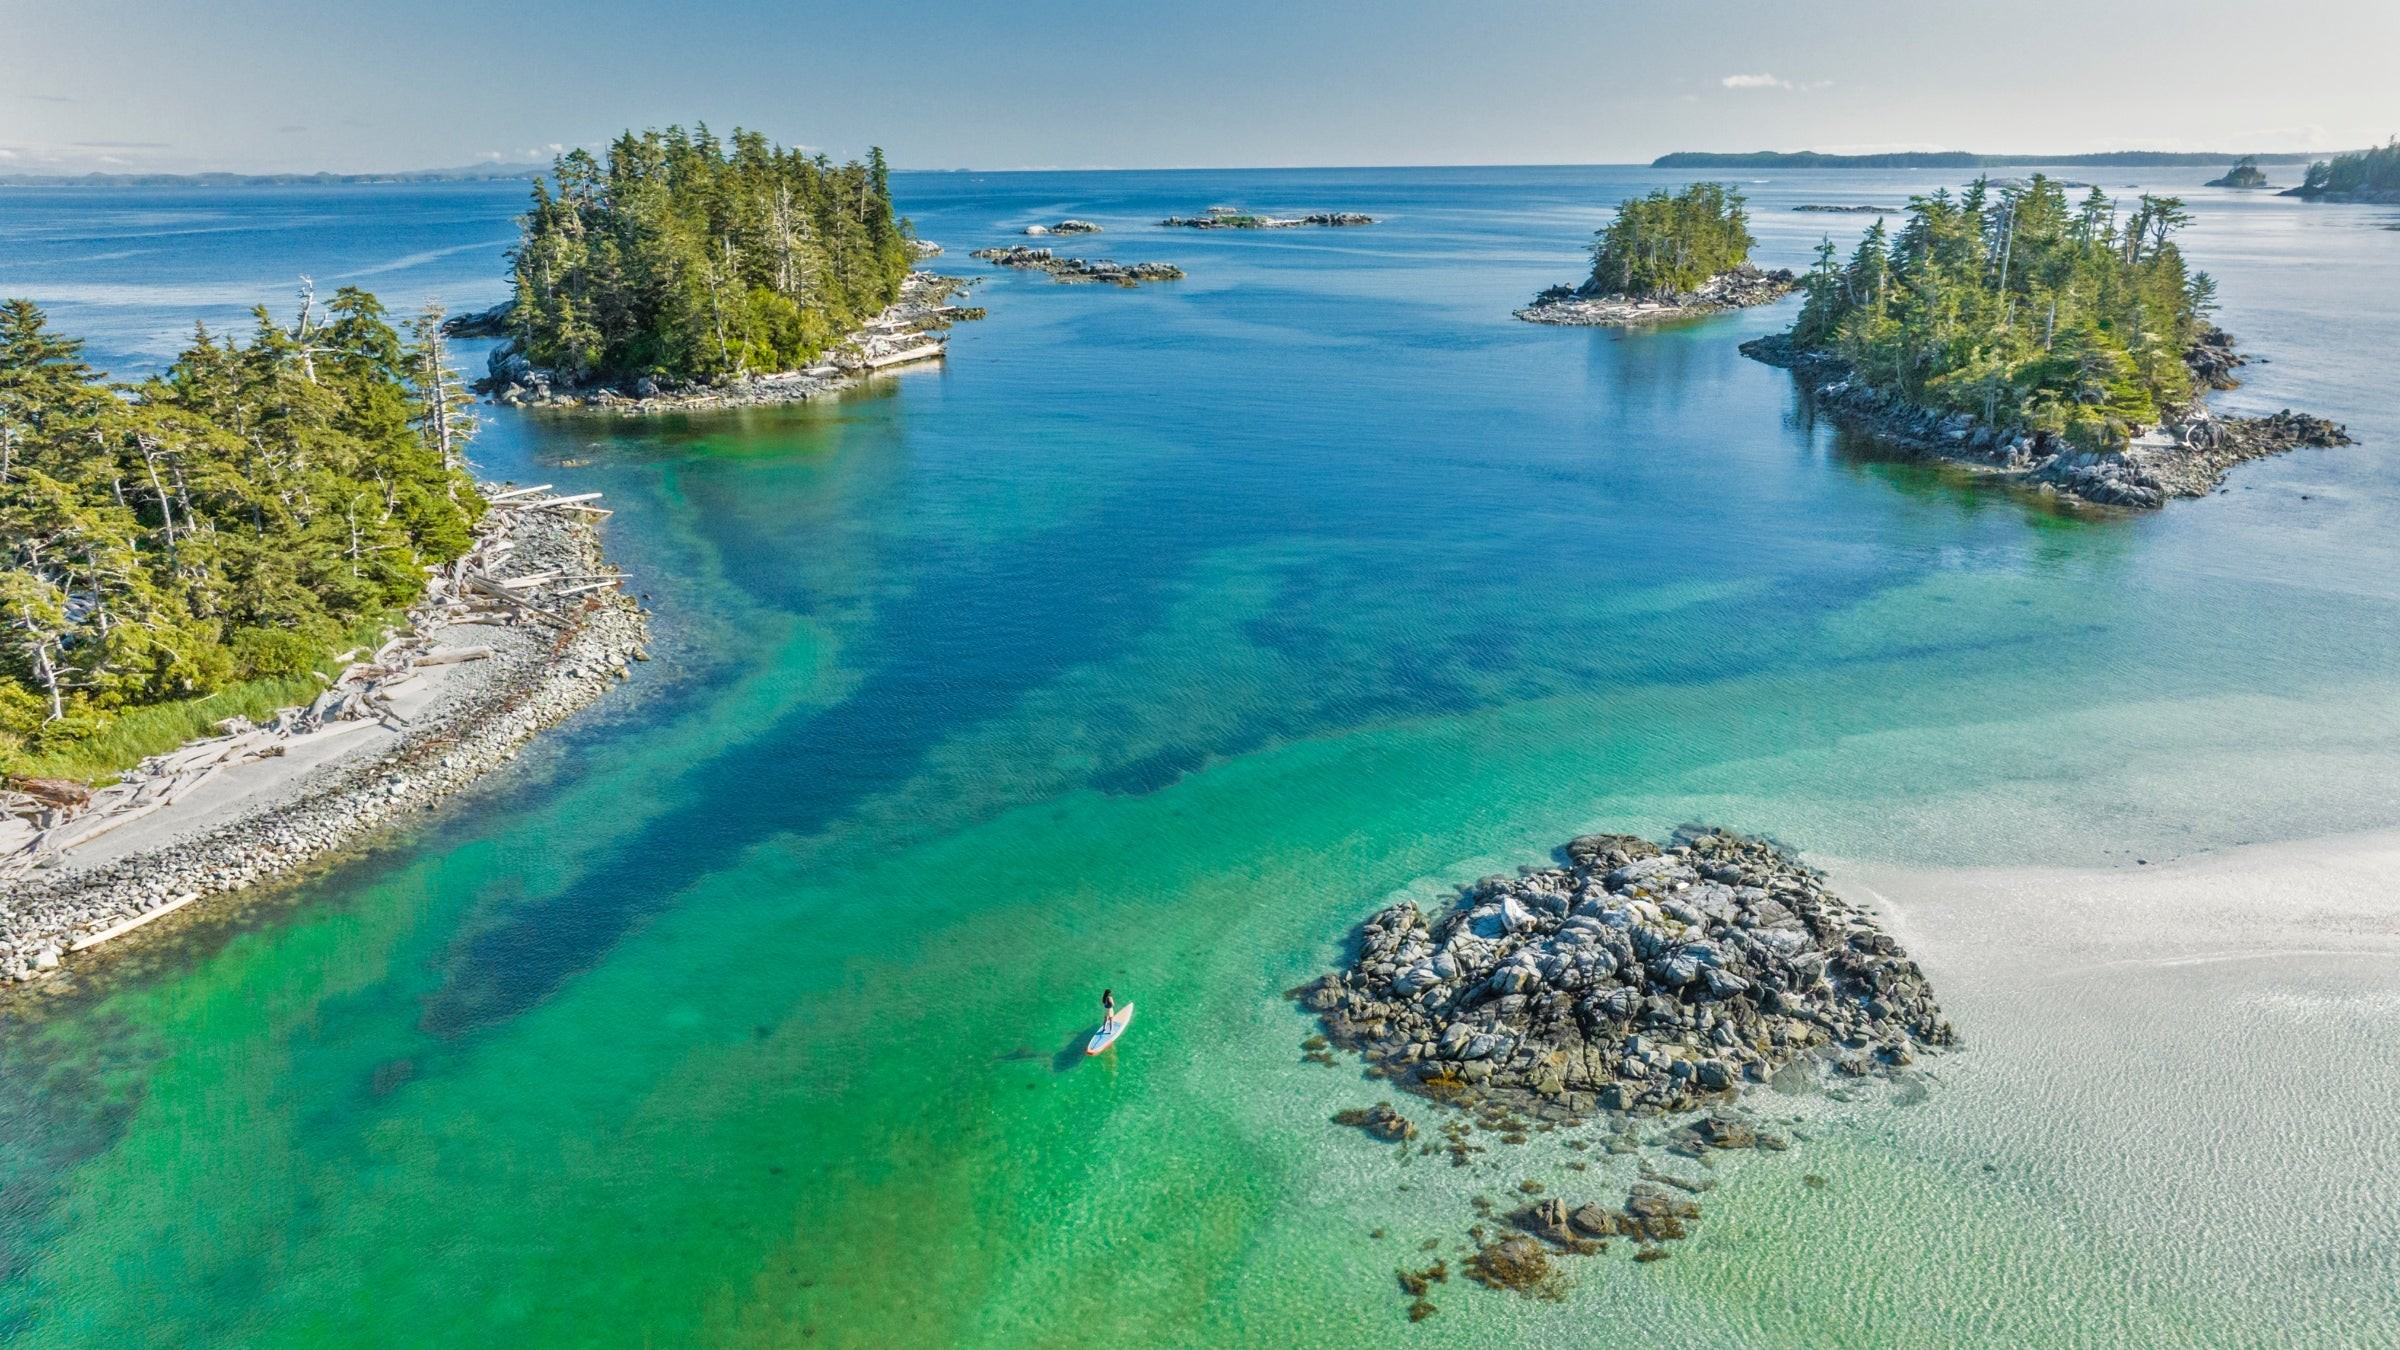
(1151, 643)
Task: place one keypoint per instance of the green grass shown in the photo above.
(134, 734)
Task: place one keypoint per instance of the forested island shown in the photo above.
(682, 263)
(192, 546)
(1666, 256)
(2368, 176)
(2066, 343)
(2245, 173)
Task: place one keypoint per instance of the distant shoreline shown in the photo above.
(498, 173)
(1961, 159)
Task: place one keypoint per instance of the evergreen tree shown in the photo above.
(230, 517)
(1671, 243)
(2007, 302)
(2375, 170)
(685, 258)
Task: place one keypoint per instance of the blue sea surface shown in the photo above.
(1151, 641)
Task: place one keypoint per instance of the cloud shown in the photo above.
(291, 130)
(46, 98)
(1763, 80)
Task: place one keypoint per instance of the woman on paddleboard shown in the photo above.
(1108, 1007)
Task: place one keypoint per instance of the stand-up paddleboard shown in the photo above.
(1107, 1035)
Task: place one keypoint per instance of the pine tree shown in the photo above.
(681, 257)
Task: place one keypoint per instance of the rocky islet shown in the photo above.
(1102, 270)
(1234, 218)
(1585, 307)
(1636, 981)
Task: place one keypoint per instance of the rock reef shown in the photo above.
(1634, 986)
(1233, 218)
(1078, 269)
(1068, 226)
(1635, 979)
(2188, 455)
(1584, 307)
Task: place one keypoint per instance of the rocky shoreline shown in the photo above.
(541, 664)
(1635, 982)
(2188, 455)
(1738, 289)
(903, 333)
(1231, 218)
(1102, 270)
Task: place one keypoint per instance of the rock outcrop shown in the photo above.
(1068, 226)
(2244, 174)
(482, 323)
(1232, 218)
(1078, 269)
(1584, 307)
(1633, 979)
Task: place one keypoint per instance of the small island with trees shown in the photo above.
(2245, 173)
(2369, 176)
(682, 271)
(2063, 344)
(1666, 256)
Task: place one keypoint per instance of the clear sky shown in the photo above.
(347, 85)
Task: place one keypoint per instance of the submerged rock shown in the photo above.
(1381, 1121)
(1517, 1263)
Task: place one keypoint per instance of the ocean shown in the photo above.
(1151, 642)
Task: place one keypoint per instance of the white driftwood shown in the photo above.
(443, 656)
(90, 940)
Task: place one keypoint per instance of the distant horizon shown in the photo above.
(526, 170)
